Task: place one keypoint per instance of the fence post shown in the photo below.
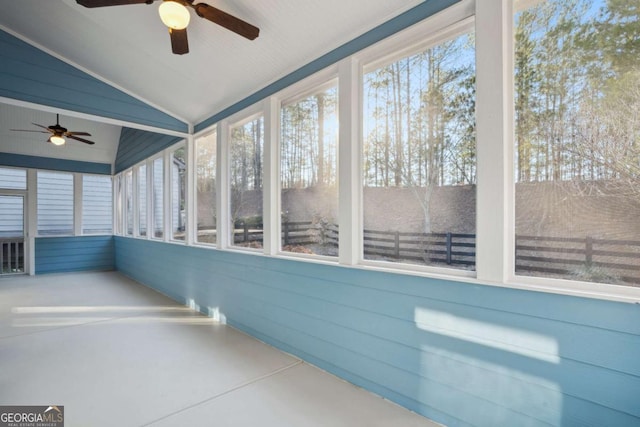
(397, 248)
(448, 248)
(286, 233)
(588, 253)
(246, 232)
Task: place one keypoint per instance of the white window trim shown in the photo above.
(323, 80)
(495, 149)
(193, 184)
(238, 120)
(81, 211)
(152, 200)
(169, 185)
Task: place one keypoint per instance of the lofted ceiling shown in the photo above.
(129, 47)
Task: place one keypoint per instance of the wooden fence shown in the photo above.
(434, 248)
(589, 259)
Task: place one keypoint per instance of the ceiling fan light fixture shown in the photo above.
(57, 140)
(174, 14)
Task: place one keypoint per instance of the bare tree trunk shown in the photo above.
(320, 102)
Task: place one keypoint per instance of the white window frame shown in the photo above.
(450, 23)
(151, 220)
(76, 228)
(319, 82)
(238, 120)
(80, 205)
(169, 186)
(495, 213)
(193, 218)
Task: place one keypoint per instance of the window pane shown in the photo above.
(128, 202)
(55, 203)
(142, 200)
(178, 188)
(158, 197)
(308, 164)
(419, 161)
(246, 184)
(11, 221)
(577, 130)
(13, 179)
(97, 204)
(206, 188)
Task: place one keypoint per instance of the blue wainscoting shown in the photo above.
(458, 353)
(65, 254)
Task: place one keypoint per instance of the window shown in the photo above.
(117, 198)
(158, 198)
(419, 157)
(142, 200)
(246, 161)
(13, 179)
(308, 179)
(577, 94)
(55, 203)
(97, 209)
(206, 155)
(128, 202)
(178, 189)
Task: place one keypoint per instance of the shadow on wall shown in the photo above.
(460, 354)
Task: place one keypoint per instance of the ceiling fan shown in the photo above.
(176, 16)
(58, 133)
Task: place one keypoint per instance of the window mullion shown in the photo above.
(222, 181)
(349, 169)
(494, 130)
(270, 209)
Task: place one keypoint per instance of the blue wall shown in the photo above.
(28, 74)
(138, 145)
(461, 354)
(64, 254)
(35, 162)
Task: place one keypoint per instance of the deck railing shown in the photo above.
(11, 256)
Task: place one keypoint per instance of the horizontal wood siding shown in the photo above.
(461, 354)
(55, 203)
(46, 163)
(65, 254)
(137, 145)
(97, 204)
(11, 216)
(13, 179)
(31, 75)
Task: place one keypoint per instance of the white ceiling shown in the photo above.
(105, 136)
(129, 47)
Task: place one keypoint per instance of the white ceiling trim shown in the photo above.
(99, 119)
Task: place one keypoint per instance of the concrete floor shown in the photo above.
(116, 353)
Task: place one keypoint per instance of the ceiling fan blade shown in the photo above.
(229, 22)
(179, 41)
(86, 141)
(29, 130)
(77, 133)
(43, 127)
(103, 3)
